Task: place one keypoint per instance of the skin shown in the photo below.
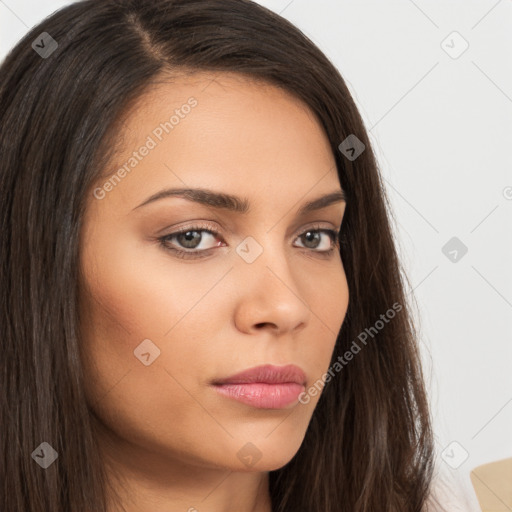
(172, 439)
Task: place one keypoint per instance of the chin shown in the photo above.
(266, 454)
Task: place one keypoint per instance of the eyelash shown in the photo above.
(192, 254)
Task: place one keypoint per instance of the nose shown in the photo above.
(272, 297)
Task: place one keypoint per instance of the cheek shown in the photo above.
(327, 296)
(141, 402)
(333, 301)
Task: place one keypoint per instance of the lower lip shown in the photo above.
(261, 395)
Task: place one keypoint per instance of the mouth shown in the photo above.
(264, 387)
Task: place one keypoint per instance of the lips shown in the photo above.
(264, 387)
(267, 374)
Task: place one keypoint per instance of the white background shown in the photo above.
(442, 129)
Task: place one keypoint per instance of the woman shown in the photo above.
(202, 305)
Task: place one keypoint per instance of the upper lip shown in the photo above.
(267, 374)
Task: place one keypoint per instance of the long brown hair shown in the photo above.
(369, 445)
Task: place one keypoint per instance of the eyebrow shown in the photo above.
(237, 204)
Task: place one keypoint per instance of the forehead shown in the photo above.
(221, 130)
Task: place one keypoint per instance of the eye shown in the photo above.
(190, 238)
(314, 237)
(188, 241)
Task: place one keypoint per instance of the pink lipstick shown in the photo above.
(264, 387)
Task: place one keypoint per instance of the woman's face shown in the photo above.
(160, 329)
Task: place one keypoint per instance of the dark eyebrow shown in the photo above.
(235, 203)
